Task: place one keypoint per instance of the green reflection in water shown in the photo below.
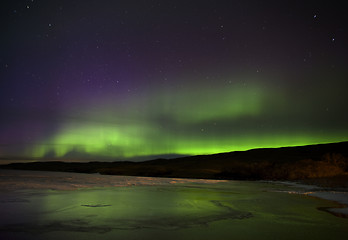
(138, 207)
(240, 210)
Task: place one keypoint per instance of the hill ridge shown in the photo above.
(294, 162)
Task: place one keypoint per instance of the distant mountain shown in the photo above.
(302, 162)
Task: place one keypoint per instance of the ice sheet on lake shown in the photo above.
(54, 205)
(19, 180)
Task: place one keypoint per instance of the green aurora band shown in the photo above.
(187, 121)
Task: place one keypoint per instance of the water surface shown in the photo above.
(48, 205)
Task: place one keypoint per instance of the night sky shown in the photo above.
(126, 79)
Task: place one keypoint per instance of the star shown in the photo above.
(195, 69)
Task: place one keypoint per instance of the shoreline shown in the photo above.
(336, 194)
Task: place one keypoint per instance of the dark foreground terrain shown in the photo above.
(287, 163)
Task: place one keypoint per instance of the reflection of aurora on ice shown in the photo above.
(41, 205)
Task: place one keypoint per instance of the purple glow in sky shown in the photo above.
(124, 79)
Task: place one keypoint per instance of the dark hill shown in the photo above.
(303, 162)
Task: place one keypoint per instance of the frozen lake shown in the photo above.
(53, 205)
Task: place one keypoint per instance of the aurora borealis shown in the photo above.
(128, 79)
